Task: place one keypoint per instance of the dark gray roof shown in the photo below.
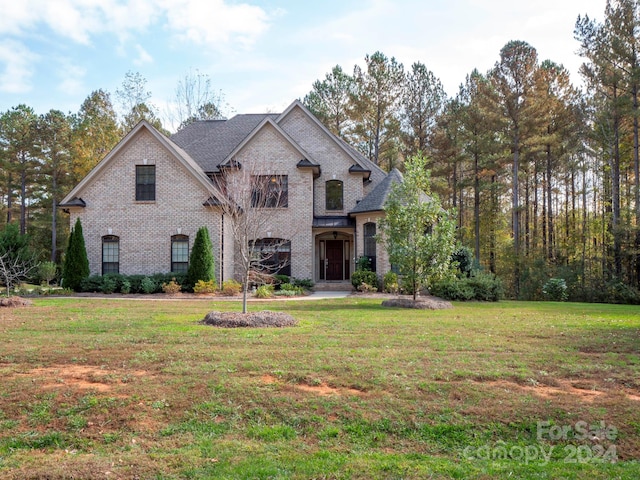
(376, 199)
(74, 202)
(209, 142)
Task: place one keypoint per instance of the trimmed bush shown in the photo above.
(203, 287)
(147, 285)
(364, 276)
(390, 282)
(201, 261)
(452, 289)
(126, 287)
(231, 287)
(481, 286)
(172, 287)
(76, 263)
(264, 291)
(305, 283)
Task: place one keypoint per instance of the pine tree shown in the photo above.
(76, 263)
(201, 262)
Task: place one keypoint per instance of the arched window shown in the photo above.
(110, 254)
(179, 253)
(272, 255)
(334, 195)
(370, 243)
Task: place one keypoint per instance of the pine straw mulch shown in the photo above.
(427, 302)
(264, 318)
(14, 302)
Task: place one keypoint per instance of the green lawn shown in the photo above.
(106, 388)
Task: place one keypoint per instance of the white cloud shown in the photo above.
(214, 23)
(71, 77)
(143, 56)
(18, 69)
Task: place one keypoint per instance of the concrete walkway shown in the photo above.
(320, 295)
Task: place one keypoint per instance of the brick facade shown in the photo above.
(274, 147)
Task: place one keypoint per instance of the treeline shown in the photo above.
(544, 176)
(42, 156)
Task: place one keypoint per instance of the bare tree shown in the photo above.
(250, 202)
(14, 268)
(196, 100)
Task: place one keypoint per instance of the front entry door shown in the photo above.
(335, 260)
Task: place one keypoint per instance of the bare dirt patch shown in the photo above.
(265, 318)
(322, 389)
(577, 391)
(80, 377)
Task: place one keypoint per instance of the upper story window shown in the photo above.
(269, 191)
(145, 182)
(179, 253)
(334, 194)
(110, 254)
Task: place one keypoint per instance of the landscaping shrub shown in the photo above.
(264, 291)
(305, 283)
(390, 282)
(486, 287)
(231, 287)
(109, 284)
(201, 261)
(366, 288)
(279, 279)
(47, 272)
(147, 285)
(172, 287)
(463, 257)
(364, 276)
(452, 289)
(555, 290)
(125, 287)
(289, 289)
(205, 287)
(76, 263)
(363, 264)
(91, 284)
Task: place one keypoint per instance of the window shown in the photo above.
(273, 255)
(334, 194)
(370, 243)
(110, 254)
(179, 253)
(145, 182)
(270, 191)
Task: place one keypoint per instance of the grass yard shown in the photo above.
(137, 389)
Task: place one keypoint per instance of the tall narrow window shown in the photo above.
(110, 254)
(334, 195)
(145, 182)
(179, 253)
(269, 191)
(370, 243)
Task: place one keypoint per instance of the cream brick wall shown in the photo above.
(144, 228)
(382, 258)
(269, 153)
(333, 160)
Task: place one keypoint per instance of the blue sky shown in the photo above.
(261, 54)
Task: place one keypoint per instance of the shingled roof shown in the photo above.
(209, 142)
(376, 199)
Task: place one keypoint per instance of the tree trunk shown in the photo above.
(476, 206)
(516, 212)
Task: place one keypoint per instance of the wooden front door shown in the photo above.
(335, 260)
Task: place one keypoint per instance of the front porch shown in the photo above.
(334, 252)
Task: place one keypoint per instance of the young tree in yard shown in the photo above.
(76, 263)
(250, 202)
(418, 234)
(201, 261)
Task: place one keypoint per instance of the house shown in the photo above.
(141, 206)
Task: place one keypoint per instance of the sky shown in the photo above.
(260, 54)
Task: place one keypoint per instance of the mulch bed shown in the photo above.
(264, 318)
(422, 303)
(14, 302)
